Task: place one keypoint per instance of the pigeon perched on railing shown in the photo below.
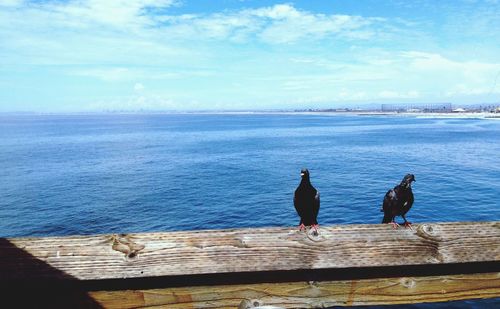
(398, 201)
(306, 202)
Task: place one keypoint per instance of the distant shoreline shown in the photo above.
(437, 115)
(477, 115)
(485, 115)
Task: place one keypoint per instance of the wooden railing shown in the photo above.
(343, 265)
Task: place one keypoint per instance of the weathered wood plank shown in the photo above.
(312, 294)
(247, 250)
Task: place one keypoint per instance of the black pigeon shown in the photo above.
(306, 202)
(398, 201)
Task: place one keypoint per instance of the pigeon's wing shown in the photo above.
(299, 207)
(316, 207)
(389, 199)
(409, 201)
(387, 207)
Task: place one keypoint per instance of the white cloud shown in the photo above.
(118, 13)
(452, 73)
(11, 3)
(142, 102)
(52, 37)
(289, 25)
(468, 90)
(121, 74)
(138, 87)
(108, 75)
(391, 94)
(279, 11)
(429, 61)
(141, 31)
(281, 23)
(391, 75)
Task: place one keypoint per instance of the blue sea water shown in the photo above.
(88, 174)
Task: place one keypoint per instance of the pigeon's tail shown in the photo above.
(387, 219)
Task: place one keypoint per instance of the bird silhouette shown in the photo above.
(306, 202)
(398, 201)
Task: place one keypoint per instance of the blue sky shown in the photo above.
(94, 55)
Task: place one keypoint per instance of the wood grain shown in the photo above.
(250, 250)
(312, 294)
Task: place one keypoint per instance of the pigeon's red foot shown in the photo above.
(408, 225)
(302, 227)
(315, 228)
(394, 225)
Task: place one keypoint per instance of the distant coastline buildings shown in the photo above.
(413, 108)
(418, 108)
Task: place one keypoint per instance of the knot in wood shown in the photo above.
(122, 243)
(428, 231)
(249, 303)
(408, 282)
(316, 236)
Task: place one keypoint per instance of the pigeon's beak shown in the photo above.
(302, 174)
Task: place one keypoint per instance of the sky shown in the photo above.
(98, 55)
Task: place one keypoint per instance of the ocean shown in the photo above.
(122, 173)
